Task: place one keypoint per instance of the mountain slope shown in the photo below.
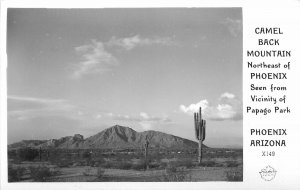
(112, 138)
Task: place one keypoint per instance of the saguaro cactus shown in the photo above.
(200, 126)
(146, 153)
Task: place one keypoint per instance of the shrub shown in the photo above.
(95, 164)
(123, 165)
(28, 154)
(234, 176)
(175, 177)
(99, 160)
(55, 171)
(210, 164)
(186, 163)
(175, 174)
(231, 164)
(86, 154)
(100, 172)
(40, 173)
(12, 153)
(91, 163)
(119, 158)
(154, 165)
(87, 171)
(64, 163)
(171, 168)
(141, 165)
(15, 174)
(163, 165)
(107, 164)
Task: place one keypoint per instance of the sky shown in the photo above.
(81, 71)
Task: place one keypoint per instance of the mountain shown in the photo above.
(27, 143)
(111, 138)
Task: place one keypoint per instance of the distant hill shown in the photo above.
(111, 138)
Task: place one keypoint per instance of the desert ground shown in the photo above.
(30, 165)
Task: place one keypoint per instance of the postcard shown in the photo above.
(150, 95)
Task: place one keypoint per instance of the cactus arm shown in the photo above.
(196, 125)
(204, 130)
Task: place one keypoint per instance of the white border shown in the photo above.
(97, 185)
(254, 13)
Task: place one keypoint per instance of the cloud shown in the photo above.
(145, 120)
(148, 122)
(234, 26)
(141, 117)
(95, 59)
(144, 115)
(146, 125)
(229, 107)
(17, 103)
(33, 99)
(194, 107)
(134, 41)
(98, 116)
(227, 95)
(98, 57)
(22, 107)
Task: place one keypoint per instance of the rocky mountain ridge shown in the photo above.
(115, 137)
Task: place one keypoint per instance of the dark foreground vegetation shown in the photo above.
(124, 165)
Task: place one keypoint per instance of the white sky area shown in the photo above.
(80, 71)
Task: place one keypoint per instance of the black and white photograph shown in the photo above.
(125, 94)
